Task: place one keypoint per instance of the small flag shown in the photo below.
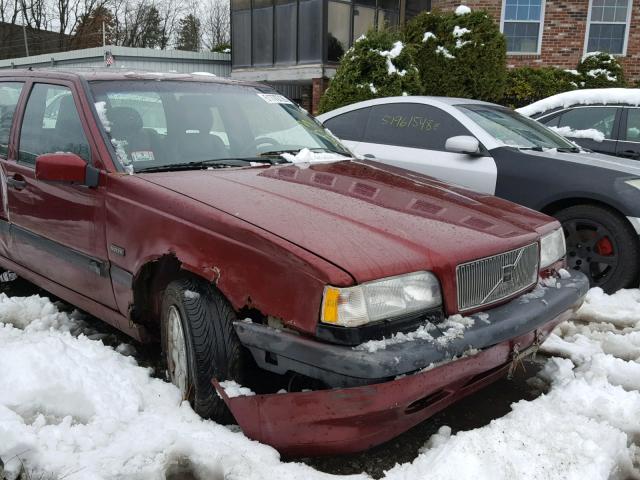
(108, 58)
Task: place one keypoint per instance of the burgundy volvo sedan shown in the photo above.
(353, 299)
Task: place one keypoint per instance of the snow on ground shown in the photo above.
(625, 96)
(73, 408)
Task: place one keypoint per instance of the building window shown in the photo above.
(241, 33)
(522, 22)
(338, 30)
(347, 22)
(608, 27)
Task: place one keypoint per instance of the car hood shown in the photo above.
(623, 165)
(369, 219)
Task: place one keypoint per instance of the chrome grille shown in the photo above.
(488, 280)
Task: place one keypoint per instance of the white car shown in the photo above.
(494, 150)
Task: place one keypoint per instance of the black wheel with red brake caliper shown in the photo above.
(602, 245)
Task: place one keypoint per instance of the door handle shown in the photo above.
(369, 155)
(17, 181)
(630, 154)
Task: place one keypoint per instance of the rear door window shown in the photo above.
(51, 124)
(632, 133)
(602, 119)
(350, 125)
(411, 125)
(9, 95)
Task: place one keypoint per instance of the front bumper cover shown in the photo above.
(354, 419)
(341, 366)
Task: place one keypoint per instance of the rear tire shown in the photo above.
(602, 245)
(211, 346)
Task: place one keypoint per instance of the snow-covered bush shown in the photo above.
(459, 54)
(378, 65)
(601, 70)
(526, 85)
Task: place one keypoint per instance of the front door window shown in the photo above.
(51, 124)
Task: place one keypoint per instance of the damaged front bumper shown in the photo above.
(381, 406)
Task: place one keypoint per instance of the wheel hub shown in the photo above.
(177, 352)
(590, 249)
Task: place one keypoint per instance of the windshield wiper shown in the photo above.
(568, 149)
(536, 148)
(199, 165)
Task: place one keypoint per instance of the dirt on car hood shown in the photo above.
(370, 219)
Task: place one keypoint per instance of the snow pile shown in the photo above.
(596, 72)
(234, 389)
(462, 10)
(587, 426)
(308, 156)
(460, 31)
(73, 408)
(590, 133)
(605, 96)
(440, 50)
(101, 109)
(427, 36)
(421, 333)
(395, 52)
(451, 328)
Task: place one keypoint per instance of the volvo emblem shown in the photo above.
(507, 273)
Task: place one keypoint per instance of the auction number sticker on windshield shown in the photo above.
(275, 98)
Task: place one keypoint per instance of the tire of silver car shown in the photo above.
(602, 245)
(199, 343)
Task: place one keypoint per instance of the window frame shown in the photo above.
(625, 40)
(19, 117)
(543, 4)
(17, 113)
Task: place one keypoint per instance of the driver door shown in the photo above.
(57, 228)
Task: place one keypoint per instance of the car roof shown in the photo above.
(104, 73)
(442, 102)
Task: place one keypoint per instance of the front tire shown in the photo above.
(602, 245)
(199, 343)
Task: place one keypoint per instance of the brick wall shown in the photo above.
(318, 86)
(563, 37)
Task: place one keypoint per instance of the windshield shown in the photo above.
(513, 129)
(161, 124)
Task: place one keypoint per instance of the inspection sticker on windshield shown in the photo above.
(142, 156)
(274, 98)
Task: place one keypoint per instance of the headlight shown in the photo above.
(552, 248)
(380, 299)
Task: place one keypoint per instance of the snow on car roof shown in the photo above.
(589, 96)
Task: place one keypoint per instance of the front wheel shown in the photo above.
(602, 245)
(199, 343)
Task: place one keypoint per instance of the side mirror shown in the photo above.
(463, 144)
(66, 168)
